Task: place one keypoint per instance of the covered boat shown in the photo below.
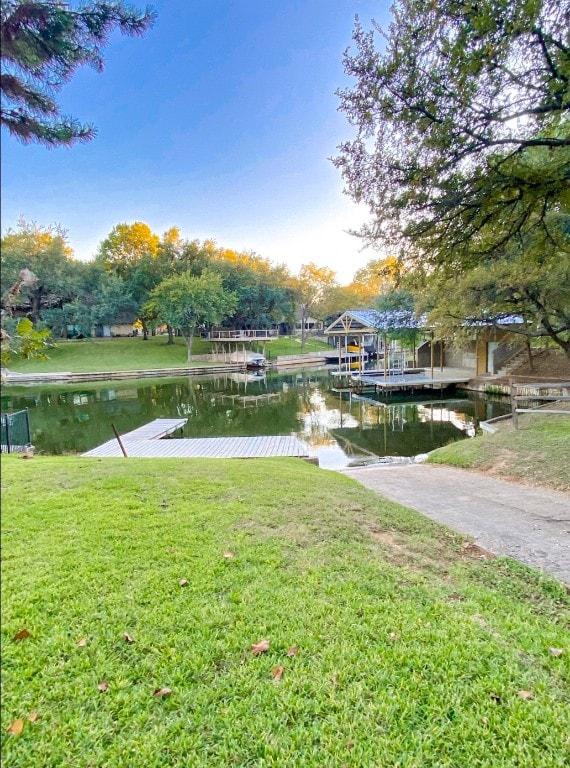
(249, 359)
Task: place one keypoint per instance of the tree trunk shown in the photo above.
(170, 334)
(144, 330)
(529, 354)
(189, 336)
(303, 311)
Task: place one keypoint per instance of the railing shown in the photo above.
(15, 431)
(530, 388)
(238, 335)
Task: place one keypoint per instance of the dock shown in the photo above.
(146, 442)
(385, 384)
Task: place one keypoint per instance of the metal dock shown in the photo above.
(145, 442)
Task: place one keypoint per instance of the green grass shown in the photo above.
(536, 452)
(412, 649)
(130, 354)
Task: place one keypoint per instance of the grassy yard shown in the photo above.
(390, 643)
(131, 354)
(536, 453)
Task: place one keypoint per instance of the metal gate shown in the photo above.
(15, 431)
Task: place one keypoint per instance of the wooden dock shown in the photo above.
(404, 382)
(146, 442)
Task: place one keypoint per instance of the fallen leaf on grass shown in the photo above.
(162, 692)
(525, 695)
(260, 647)
(33, 716)
(277, 673)
(350, 744)
(103, 686)
(183, 582)
(394, 636)
(21, 635)
(128, 639)
(229, 555)
(82, 643)
(16, 728)
(496, 698)
(293, 651)
(556, 651)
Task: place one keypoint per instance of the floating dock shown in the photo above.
(146, 442)
(363, 383)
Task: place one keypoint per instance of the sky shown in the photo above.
(220, 121)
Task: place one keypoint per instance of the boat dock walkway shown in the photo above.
(146, 442)
(376, 381)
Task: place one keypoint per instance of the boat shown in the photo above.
(249, 359)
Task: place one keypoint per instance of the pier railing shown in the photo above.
(228, 334)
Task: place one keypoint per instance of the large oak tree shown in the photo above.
(462, 149)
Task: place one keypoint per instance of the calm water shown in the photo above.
(338, 428)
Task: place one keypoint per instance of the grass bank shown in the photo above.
(390, 643)
(535, 453)
(130, 354)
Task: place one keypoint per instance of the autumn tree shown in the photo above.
(42, 45)
(187, 302)
(378, 276)
(314, 284)
(45, 252)
(131, 251)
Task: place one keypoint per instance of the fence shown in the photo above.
(527, 389)
(15, 431)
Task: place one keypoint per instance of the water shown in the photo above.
(340, 429)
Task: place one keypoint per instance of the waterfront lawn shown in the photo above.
(124, 354)
(390, 643)
(131, 354)
(536, 453)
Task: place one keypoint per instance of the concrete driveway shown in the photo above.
(529, 524)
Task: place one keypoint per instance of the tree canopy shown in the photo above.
(186, 302)
(450, 111)
(462, 151)
(42, 45)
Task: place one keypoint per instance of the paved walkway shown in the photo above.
(529, 524)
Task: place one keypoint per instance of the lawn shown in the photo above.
(129, 354)
(390, 643)
(536, 453)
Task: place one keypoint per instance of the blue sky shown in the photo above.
(220, 121)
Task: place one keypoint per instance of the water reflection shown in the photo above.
(339, 428)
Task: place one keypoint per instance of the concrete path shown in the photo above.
(529, 524)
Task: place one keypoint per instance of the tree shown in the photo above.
(131, 252)
(44, 251)
(43, 44)
(376, 277)
(462, 151)
(187, 302)
(530, 284)
(314, 284)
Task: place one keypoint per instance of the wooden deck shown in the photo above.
(145, 442)
(156, 429)
(205, 448)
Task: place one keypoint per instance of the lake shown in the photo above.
(340, 428)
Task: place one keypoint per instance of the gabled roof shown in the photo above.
(373, 321)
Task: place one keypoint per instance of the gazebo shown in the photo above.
(368, 329)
